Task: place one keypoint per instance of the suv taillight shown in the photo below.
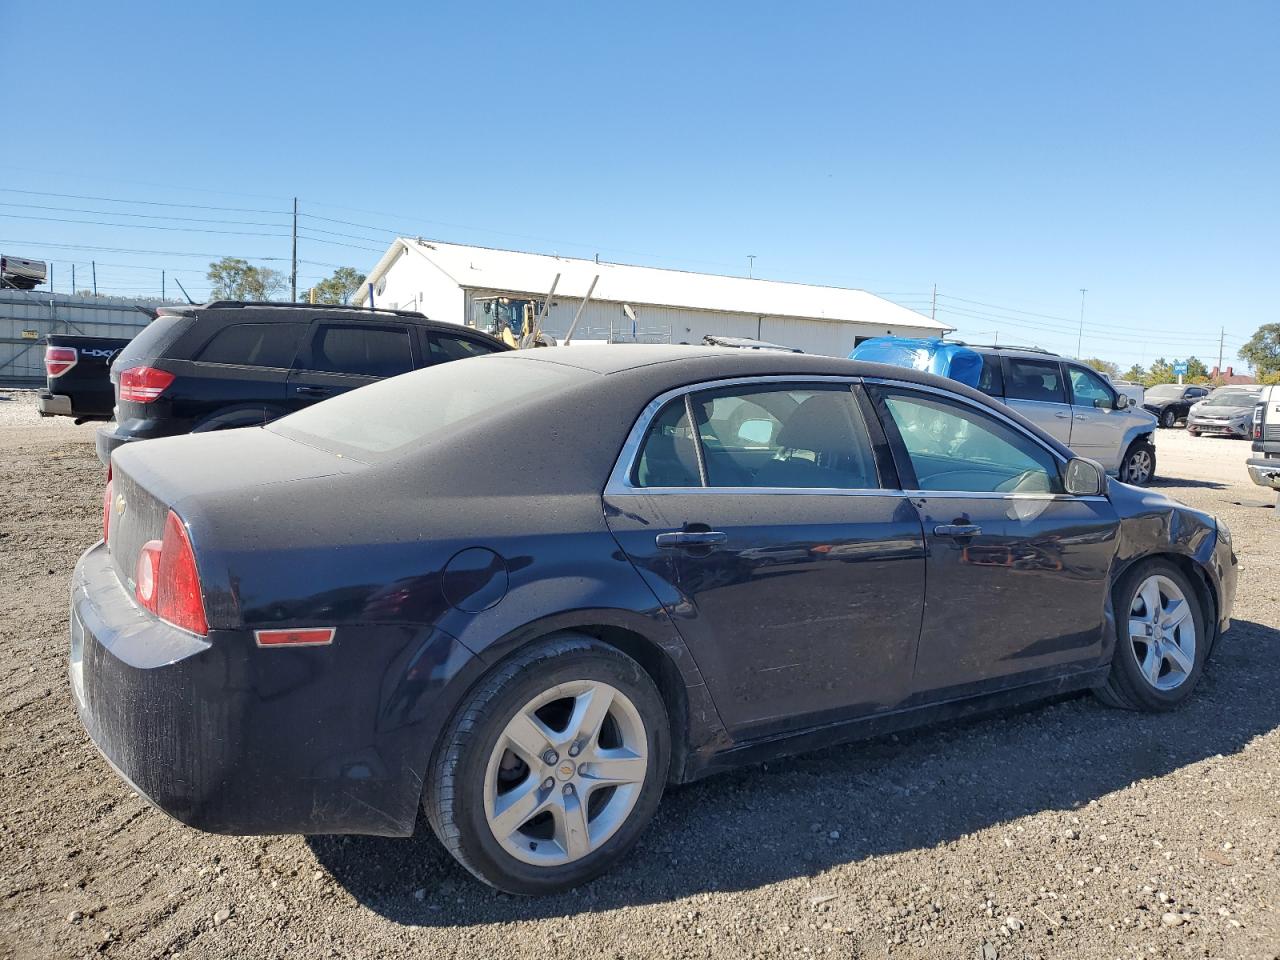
(166, 581)
(1257, 420)
(58, 360)
(143, 384)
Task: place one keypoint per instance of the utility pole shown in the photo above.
(293, 276)
(93, 264)
(933, 307)
(751, 266)
(1080, 339)
(162, 285)
(1221, 338)
(73, 279)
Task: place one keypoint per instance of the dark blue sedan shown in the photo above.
(525, 592)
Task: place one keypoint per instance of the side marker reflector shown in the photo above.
(306, 637)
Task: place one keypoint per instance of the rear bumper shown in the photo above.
(54, 405)
(230, 738)
(107, 439)
(1265, 472)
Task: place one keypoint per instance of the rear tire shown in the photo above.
(1139, 464)
(551, 768)
(1162, 639)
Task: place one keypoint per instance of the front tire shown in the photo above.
(1168, 418)
(1162, 639)
(1139, 464)
(551, 768)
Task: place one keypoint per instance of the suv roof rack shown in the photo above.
(1004, 346)
(309, 306)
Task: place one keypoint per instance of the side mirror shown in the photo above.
(1085, 478)
(1123, 401)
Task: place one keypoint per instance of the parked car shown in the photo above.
(1072, 403)
(526, 592)
(78, 376)
(232, 364)
(1136, 392)
(1226, 412)
(1171, 402)
(1264, 466)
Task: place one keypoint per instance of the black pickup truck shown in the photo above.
(78, 371)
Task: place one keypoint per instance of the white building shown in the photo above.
(482, 288)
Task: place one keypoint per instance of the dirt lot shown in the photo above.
(1066, 830)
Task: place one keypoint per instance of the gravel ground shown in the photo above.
(1064, 830)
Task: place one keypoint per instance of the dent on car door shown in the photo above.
(792, 568)
(1034, 387)
(342, 356)
(1017, 570)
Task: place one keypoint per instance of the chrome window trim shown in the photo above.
(619, 483)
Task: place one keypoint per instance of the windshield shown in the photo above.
(375, 422)
(1235, 398)
(1166, 391)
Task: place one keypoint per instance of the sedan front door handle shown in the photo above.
(690, 538)
(957, 530)
(1063, 416)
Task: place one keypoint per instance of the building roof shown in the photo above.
(509, 271)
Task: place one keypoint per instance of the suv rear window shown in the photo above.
(254, 344)
(992, 380)
(364, 350)
(445, 347)
(1033, 380)
(155, 338)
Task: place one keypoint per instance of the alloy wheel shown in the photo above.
(1168, 419)
(1162, 633)
(565, 773)
(1139, 466)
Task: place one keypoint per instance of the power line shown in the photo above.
(149, 203)
(140, 216)
(145, 226)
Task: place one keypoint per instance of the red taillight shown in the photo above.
(58, 360)
(106, 508)
(167, 582)
(143, 384)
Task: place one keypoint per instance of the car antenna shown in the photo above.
(184, 291)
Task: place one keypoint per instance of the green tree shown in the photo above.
(1135, 374)
(236, 279)
(1103, 366)
(1161, 372)
(340, 287)
(1263, 349)
(1196, 370)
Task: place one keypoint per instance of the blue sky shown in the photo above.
(1010, 153)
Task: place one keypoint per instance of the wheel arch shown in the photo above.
(241, 415)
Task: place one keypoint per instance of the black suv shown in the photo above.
(231, 364)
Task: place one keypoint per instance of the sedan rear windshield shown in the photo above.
(392, 416)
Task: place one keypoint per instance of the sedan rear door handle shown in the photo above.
(957, 530)
(690, 538)
(1063, 416)
(314, 391)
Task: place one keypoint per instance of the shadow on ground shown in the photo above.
(1158, 482)
(772, 822)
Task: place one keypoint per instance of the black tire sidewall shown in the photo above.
(1124, 664)
(1168, 419)
(1126, 472)
(480, 849)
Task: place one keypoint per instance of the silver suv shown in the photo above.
(1073, 403)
